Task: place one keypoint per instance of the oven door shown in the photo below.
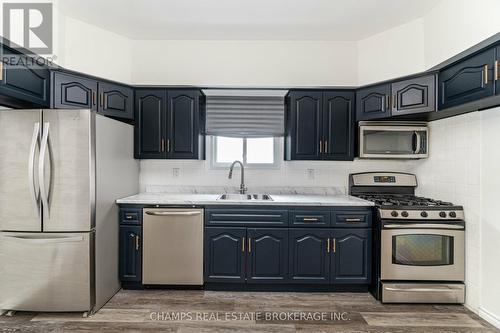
(423, 252)
(389, 141)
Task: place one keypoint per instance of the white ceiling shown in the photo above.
(327, 20)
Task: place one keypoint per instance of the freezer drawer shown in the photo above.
(172, 246)
(46, 271)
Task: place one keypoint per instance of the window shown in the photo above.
(253, 152)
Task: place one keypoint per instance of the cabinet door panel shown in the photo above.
(309, 256)
(224, 254)
(22, 81)
(338, 125)
(305, 128)
(116, 100)
(267, 255)
(414, 95)
(372, 102)
(467, 81)
(130, 253)
(351, 257)
(71, 91)
(183, 124)
(150, 113)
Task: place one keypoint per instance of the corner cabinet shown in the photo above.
(74, 91)
(468, 80)
(169, 124)
(319, 125)
(23, 83)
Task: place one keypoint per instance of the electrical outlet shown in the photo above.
(176, 172)
(310, 174)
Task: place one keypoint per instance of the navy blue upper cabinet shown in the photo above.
(373, 102)
(184, 136)
(414, 95)
(116, 100)
(130, 253)
(351, 256)
(320, 125)
(224, 254)
(22, 84)
(467, 80)
(169, 124)
(338, 125)
(72, 91)
(304, 118)
(496, 71)
(267, 259)
(150, 119)
(309, 256)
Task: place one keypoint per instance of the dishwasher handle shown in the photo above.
(173, 213)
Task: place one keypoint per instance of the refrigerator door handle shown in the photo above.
(34, 191)
(43, 240)
(44, 147)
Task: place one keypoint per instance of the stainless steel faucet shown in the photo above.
(243, 188)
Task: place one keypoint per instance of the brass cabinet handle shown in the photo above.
(310, 219)
(394, 101)
(243, 244)
(168, 145)
(162, 145)
(1, 70)
(387, 102)
(249, 245)
(105, 100)
(320, 146)
(485, 74)
(100, 99)
(353, 219)
(137, 240)
(334, 245)
(328, 245)
(496, 70)
(93, 97)
(326, 146)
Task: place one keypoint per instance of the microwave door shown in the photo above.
(393, 142)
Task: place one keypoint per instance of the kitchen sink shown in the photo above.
(243, 197)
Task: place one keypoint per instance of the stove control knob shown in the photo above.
(424, 214)
(453, 214)
(394, 213)
(442, 214)
(404, 214)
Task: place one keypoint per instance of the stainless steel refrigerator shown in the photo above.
(60, 174)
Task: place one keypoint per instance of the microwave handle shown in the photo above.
(418, 140)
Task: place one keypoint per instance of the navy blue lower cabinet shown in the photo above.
(351, 256)
(130, 253)
(224, 254)
(267, 255)
(309, 256)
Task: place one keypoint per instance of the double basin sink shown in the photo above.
(245, 197)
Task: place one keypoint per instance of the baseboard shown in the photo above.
(489, 317)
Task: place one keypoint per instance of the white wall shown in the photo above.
(392, 53)
(244, 63)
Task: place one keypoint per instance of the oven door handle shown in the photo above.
(423, 226)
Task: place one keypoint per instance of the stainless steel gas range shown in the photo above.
(419, 242)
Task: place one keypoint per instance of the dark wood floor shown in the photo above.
(206, 311)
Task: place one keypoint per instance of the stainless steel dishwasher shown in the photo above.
(172, 246)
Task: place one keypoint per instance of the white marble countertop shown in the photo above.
(211, 199)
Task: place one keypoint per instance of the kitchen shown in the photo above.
(319, 106)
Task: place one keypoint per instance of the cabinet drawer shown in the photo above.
(250, 217)
(130, 216)
(310, 218)
(352, 219)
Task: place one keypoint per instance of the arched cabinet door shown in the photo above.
(373, 102)
(309, 256)
(149, 130)
(351, 256)
(116, 100)
(338, 125)
(224, 254)
(267, 255)
(415, 95)
(71, 91)
(468, 80)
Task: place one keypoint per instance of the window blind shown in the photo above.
(245, 113)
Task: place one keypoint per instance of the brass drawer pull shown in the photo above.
(357, 219)
(1, 70)
(496, 70)
(310, 219)
(485, 74)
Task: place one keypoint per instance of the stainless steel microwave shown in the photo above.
(403, 140)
